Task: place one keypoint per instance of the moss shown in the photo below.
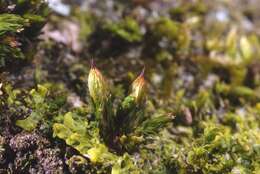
(119, 36)
(44, 105)
(202, 69)
(41, 102)
(166, 39)
(127, 29)
(216, 151)
(19, 26)
(98, 138)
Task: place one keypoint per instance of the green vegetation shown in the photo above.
(127, 30)
(195, 109)
(20, 22)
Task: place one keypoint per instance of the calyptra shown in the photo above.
(138, 89)
(97, 86)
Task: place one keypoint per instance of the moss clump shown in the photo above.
(119, 36)
(98, 138)
(20, 22)
(229, 147)
(128, 29)
(202, 69)
(168, 38)
(42, 104)
(233, 53)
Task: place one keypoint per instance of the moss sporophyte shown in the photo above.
(115, 128)
(139, 88)
(97, 85)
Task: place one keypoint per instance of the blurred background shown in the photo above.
(183, 44)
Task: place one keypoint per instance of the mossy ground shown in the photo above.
(202, 68)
